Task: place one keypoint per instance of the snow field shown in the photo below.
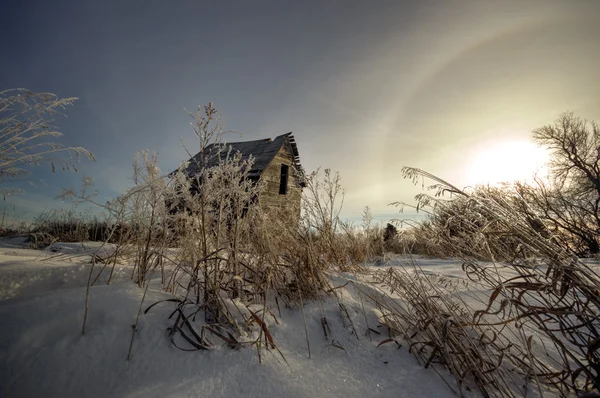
(42, 351)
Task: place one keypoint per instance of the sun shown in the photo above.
(508, 161)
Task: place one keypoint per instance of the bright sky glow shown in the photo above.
(453, 88)
(508, 162)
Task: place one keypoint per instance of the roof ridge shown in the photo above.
(263, 150)
(238, 142)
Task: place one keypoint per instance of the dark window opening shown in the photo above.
(283, 182)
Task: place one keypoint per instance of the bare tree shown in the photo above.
(575, 146)
(28, 139)
(569, 203)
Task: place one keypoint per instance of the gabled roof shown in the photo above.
(263, 152)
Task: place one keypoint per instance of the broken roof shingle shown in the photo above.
(263, 151)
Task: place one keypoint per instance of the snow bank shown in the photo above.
(42, 351)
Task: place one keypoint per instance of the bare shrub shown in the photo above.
(569, 203)
(27, 138)
(232, 258)
(340, 244)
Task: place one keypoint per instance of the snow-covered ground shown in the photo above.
(42, 351)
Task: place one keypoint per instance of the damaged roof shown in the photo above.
(263, 151)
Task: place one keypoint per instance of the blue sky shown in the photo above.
(366, 87)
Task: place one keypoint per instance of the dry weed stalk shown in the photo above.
(539, 322)
(27, 138)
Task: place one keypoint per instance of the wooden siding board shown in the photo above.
(269, 197)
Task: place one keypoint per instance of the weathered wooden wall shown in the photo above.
(270, 199)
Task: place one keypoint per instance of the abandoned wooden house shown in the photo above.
(276, 165)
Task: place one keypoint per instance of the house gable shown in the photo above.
(271, 195)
